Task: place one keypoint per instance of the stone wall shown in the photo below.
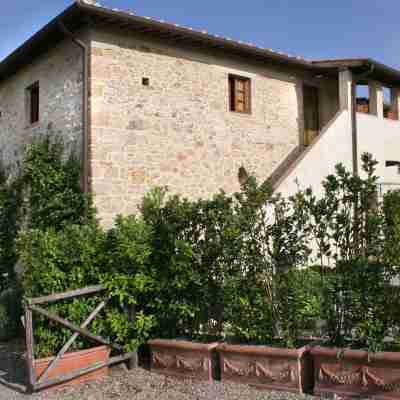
(178, 131)
(59, 73)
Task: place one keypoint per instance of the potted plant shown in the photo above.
(356, 360)
(62, 248)
(256, 354)
(265, 296)
(75, 257)
(189, 257)
(358, 241)
(59, 248)
(49, 270)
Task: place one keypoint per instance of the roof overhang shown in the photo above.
(378, 71)
(42, 41)
(82, 14)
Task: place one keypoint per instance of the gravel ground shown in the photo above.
(137, 384)
(143, 385)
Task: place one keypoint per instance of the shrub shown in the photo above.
(225, 266)
(352, 234)
(57, 261)
(84, 255)
(391, 210)
(272, 244)
(131, 280)
(43, 192)
(178, 263)
(40, 204)
(218, 263)
(51, 182)
(299, 303)
(247, 311)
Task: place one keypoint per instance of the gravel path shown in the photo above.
(140, 384)
(137, 384)
(143, 385)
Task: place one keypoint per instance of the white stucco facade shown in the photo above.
(376, 135)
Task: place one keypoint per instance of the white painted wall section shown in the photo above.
(378, 136)
(333, 146)
(381, 138)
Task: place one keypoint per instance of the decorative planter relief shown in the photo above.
(267, 367)
(71, 362)
(351, 373)
(184, 359)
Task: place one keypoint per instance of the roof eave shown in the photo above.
(380, 72)
(78, 14)
(205, 37)
(39, 43)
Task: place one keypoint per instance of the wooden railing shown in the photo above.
(34, 305)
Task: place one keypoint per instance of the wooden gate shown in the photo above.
(34, 305)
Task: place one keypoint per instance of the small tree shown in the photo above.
(348, 227)
(51, 183)
(272, 244)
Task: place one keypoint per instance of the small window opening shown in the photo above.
(33, 103)
(146, 81)
(239, 94)
(389, 111)
(362, 99)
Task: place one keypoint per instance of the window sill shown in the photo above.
(241, 113)
(33, 125)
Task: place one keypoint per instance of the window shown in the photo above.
(362, 98)
(389, 109)
(33, 103)
(240, 94)
(146, 81)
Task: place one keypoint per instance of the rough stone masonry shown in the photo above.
(159, 116)
(59, 74)
(177, 130)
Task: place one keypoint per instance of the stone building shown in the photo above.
(148, 103)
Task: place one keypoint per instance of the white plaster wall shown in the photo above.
(378, 136)
(333, 146)
(381, 138)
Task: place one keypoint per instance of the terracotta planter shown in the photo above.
(350, 373)
(184, 359)
(265, 367)
(71, 362)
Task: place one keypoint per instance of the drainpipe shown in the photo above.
(354, 128)
(85, 105)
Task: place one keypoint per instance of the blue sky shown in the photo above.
(313, 29)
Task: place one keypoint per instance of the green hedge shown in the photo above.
(228, 267)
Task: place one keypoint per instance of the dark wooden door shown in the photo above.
(311, 113)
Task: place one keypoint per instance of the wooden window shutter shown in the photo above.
(240, 94)
(247, 101)
(232, 101)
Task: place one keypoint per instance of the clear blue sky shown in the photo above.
(309, 28)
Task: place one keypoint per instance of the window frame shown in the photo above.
(247, 94)
(33, 103)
